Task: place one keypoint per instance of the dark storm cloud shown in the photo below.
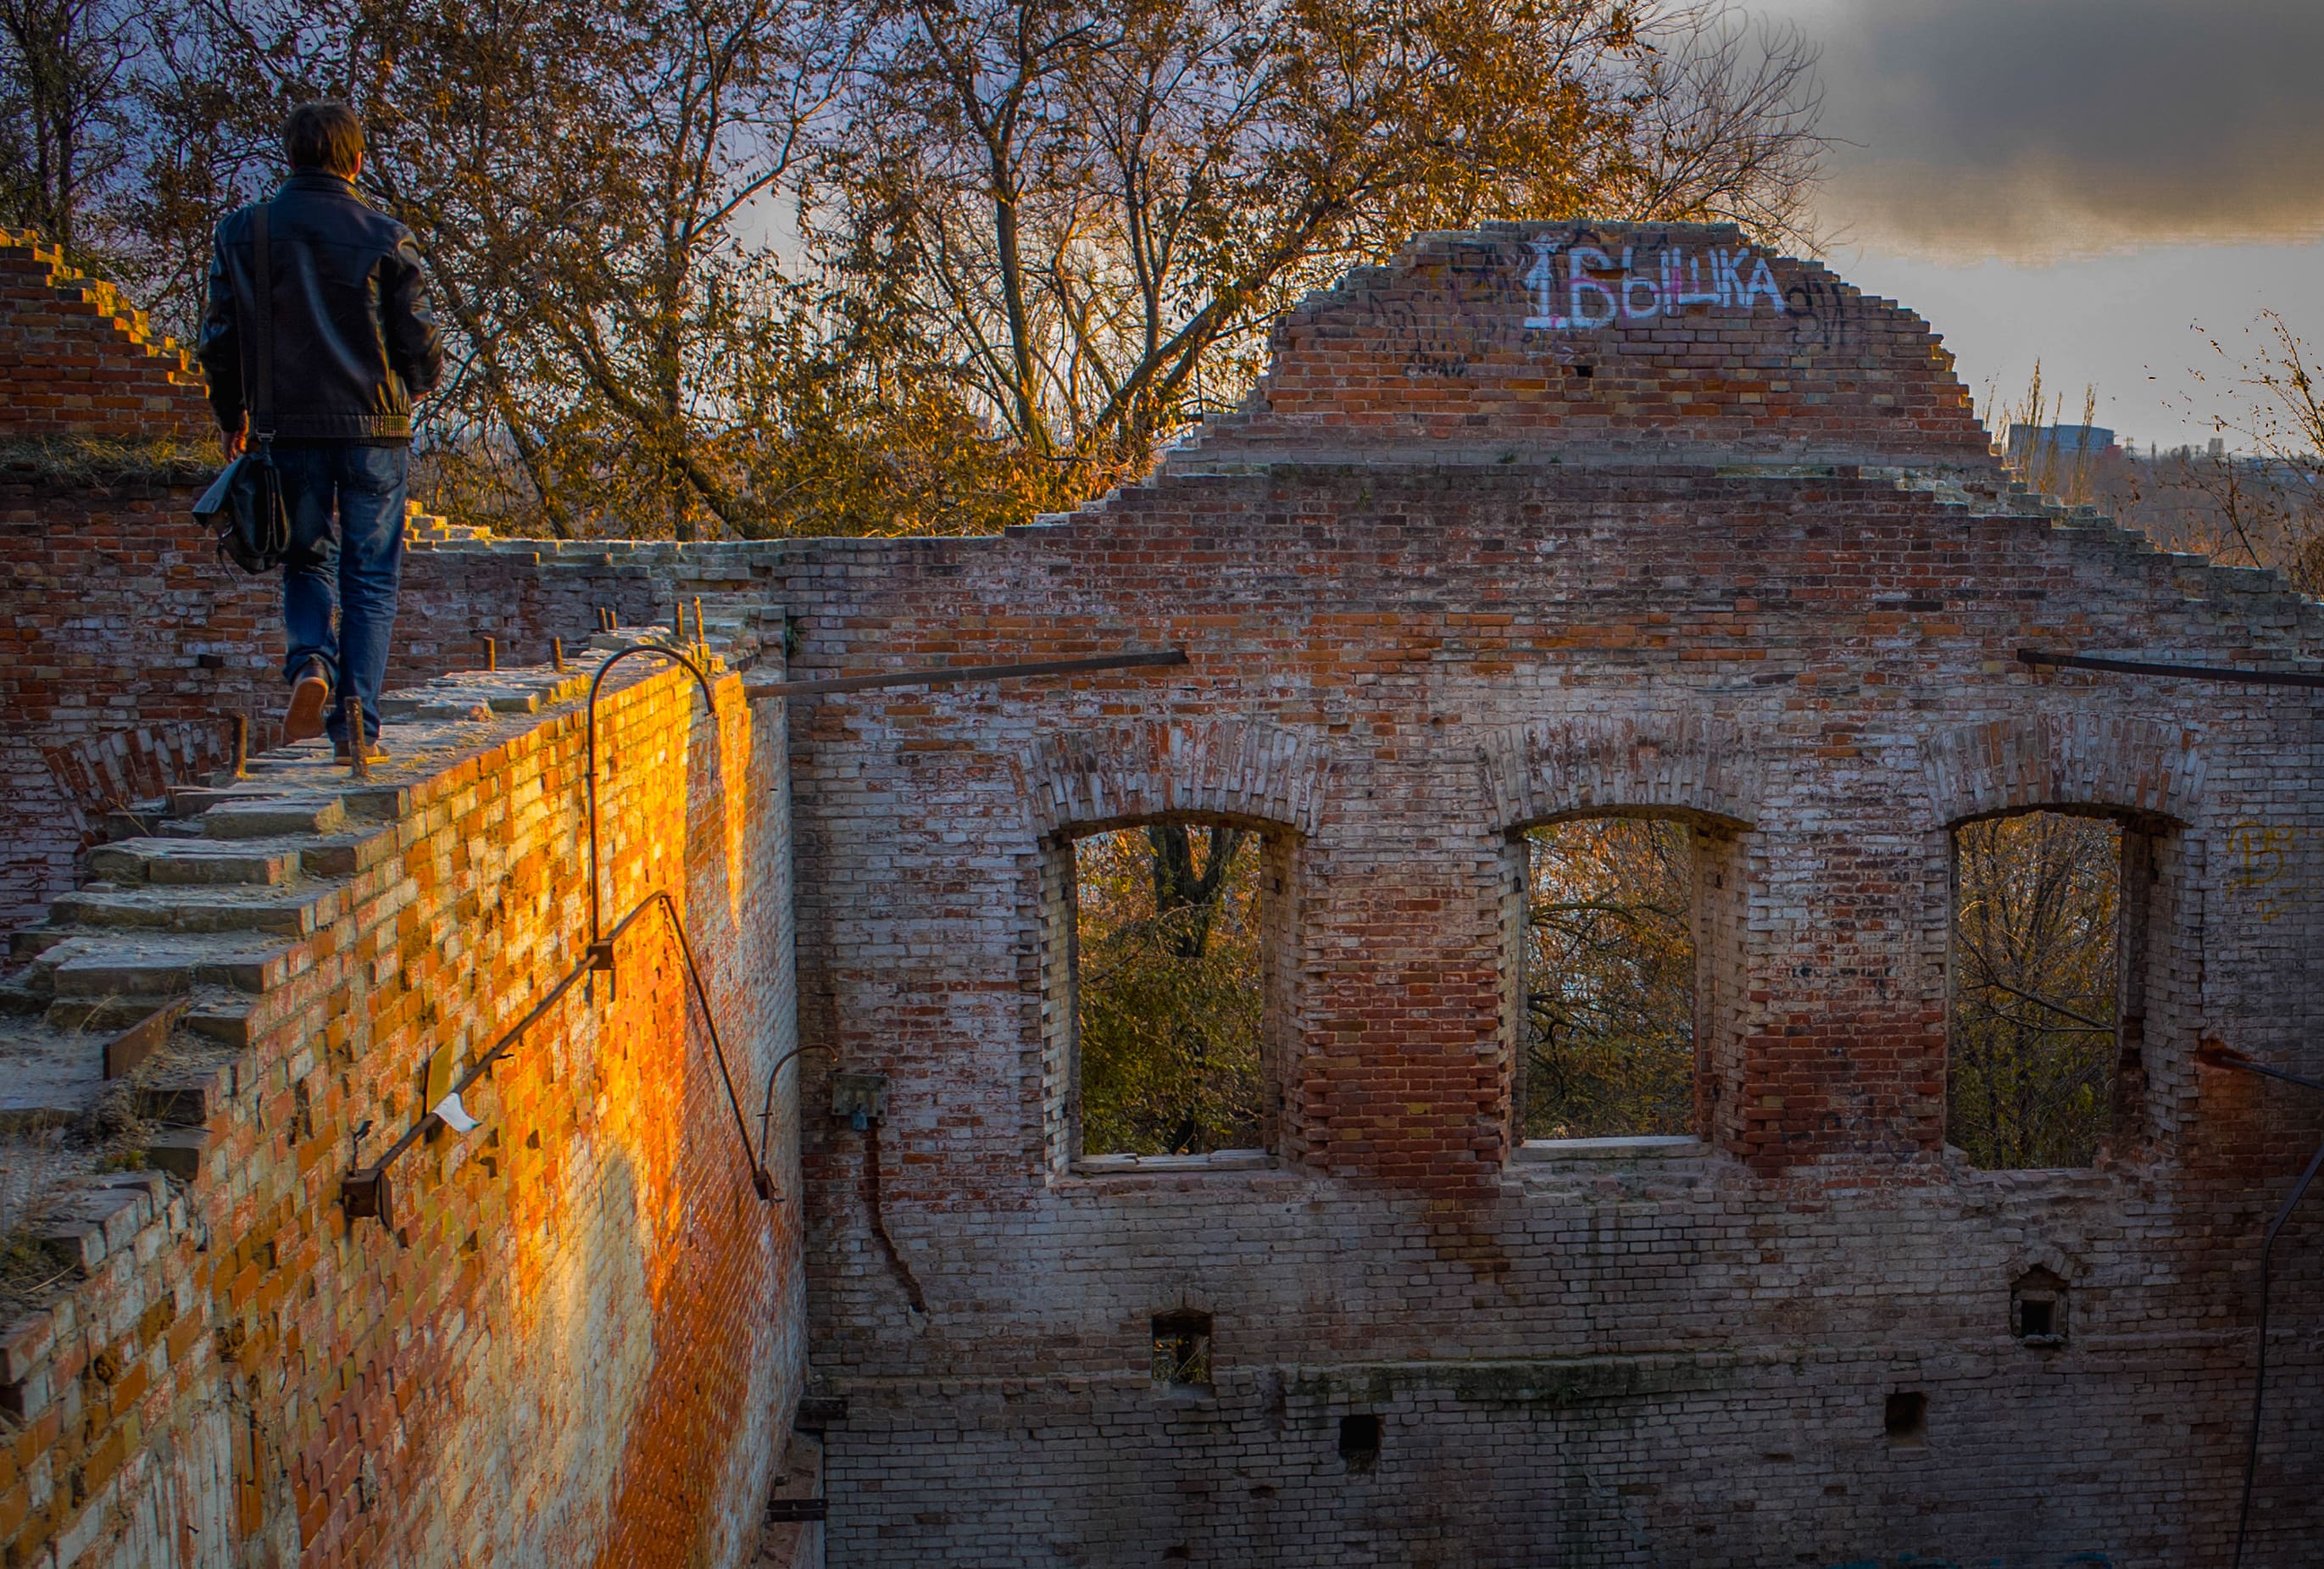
(2033, 128)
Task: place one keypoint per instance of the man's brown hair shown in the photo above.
(324, 134)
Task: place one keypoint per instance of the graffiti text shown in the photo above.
(1585, 287)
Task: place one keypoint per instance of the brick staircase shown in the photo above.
(77, 359)
(123, 1027)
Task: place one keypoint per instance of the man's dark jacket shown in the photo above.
(353, 343)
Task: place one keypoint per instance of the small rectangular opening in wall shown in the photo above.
(1360, 1440)
(1182, 1349)
(1170, 988)
(1607, 1029)
(2031, 1046)
(2038, 1308)
(1906, 1419)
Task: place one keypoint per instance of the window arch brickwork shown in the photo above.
(2019, 761)
(1076, 782)
(1229, 768)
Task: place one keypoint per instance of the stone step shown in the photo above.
(91, 966)
(193, 800)
(221, 1016)
(178, 1151)
(179, 862)
(296, 912)
(96, 1218)
(30, 942)
(48, 1076)
(272, 817)
(447, 707)
(190, 1098)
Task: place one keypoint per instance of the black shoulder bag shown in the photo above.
(244, 506)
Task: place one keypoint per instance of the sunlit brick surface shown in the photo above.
(579, 1340)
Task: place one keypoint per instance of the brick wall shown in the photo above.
(1434, 588)
(579, 1341)
(127, 647)
(1400, 654)
(1670, 342)
(77, 360)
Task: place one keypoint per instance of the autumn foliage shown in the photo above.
(2031, 1048)
(1171, 989)
(1609, 1019)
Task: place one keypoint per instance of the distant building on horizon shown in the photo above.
(2049, 443)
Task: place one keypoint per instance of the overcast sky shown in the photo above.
(2083, 180)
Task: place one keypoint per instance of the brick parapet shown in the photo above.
(1605, 343)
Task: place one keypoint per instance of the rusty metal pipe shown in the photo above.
(595, 682)
(365, 1191)
(2213, 1054)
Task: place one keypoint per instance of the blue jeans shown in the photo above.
(361, 490)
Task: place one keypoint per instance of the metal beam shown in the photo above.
(950, 675)
(2182, 672)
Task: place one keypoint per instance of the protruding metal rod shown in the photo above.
(241, 746)
(556, 653)
(491, 655)
(700, 640)
(358, 743)
(944, 676)
(2183, 672)
(2218, 1054)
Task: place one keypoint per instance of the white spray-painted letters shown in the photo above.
(1595, 291)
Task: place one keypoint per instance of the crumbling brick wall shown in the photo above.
(77, 360)
(1435, 585)
(1406, 644)
(578, 1339)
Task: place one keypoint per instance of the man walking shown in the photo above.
(352, 344)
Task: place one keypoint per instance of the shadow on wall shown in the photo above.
(579, 1303)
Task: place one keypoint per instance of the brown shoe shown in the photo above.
(309, 694)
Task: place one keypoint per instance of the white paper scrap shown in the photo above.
(456, 1115)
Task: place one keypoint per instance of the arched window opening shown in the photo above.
(2037, 1019)
(1171, 987)
(1607, 1024)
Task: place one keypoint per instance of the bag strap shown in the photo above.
(262, 402)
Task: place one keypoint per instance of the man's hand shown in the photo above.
(237, 439)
